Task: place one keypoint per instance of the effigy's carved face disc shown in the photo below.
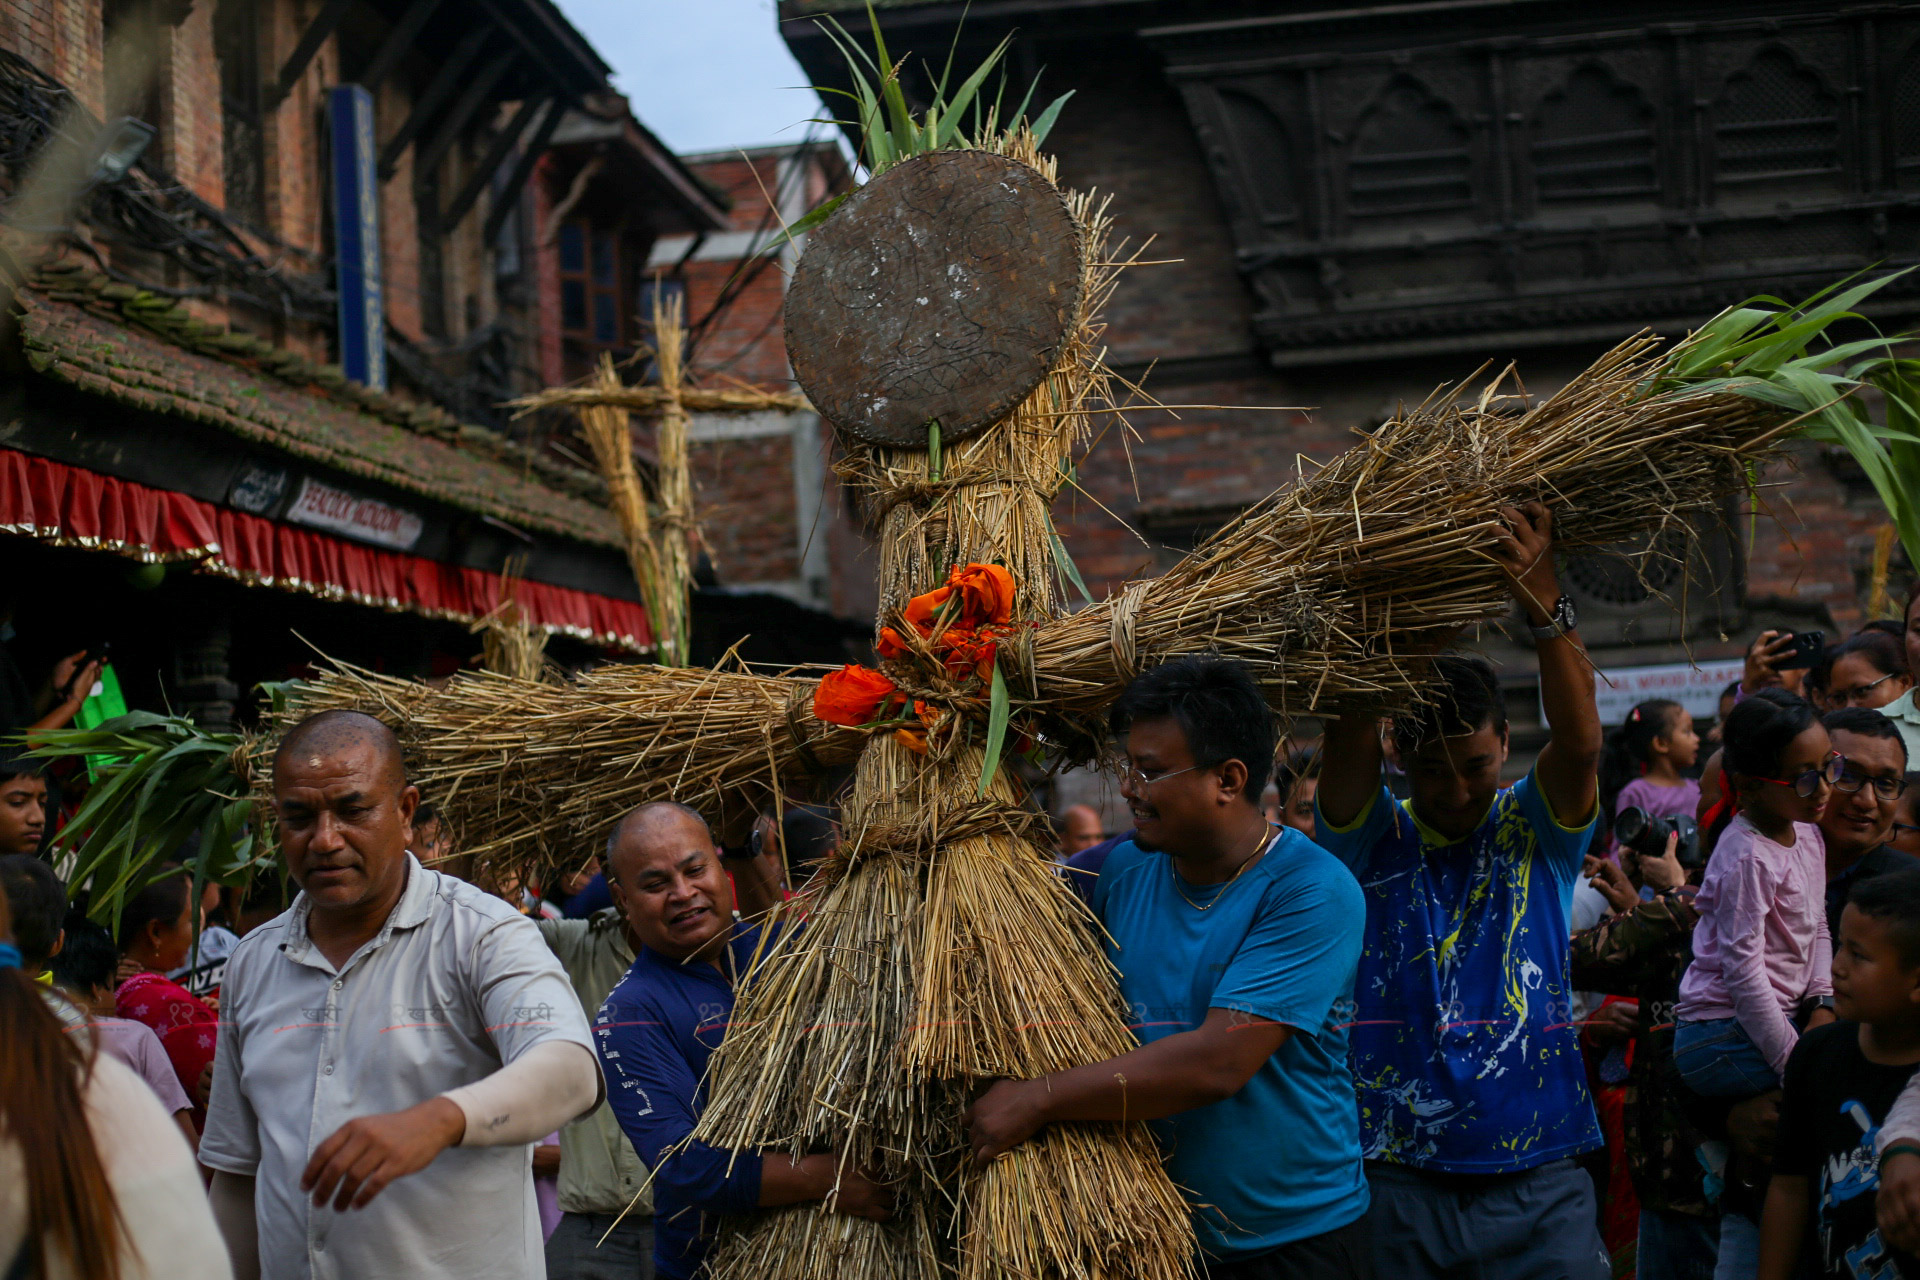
(942, 290)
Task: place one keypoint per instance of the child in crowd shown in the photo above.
(1646, 762)
(1840, 1083)
(1296, 780)
(156, 931)
(206, 963)
(1761, 954)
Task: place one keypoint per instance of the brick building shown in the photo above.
(771, 515)
(1366, 203)
(270, 268)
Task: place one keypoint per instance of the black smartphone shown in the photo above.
(95, 653)
(1805, 652)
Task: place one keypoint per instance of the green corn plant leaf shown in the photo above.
(890, 89)
(1064, 560)
(1044, 124)
(998, 712)
(943, 135)
(888, 129)
(1706, 347)
(167, 780)
(1819, 360)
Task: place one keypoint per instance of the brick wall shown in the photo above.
(1125, 133)
(191, 121)
(64, 39)
(1814, 541)
(746, 342)
(744, 494)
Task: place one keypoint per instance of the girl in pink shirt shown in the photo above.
(1646, 760)
(1760, 951)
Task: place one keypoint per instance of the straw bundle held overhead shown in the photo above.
(1338, 589)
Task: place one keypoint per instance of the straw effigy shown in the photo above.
(941, 949)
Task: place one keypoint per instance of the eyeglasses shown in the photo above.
(1806, 784)
(1851, 781)
(1903, 828)
(1857, 694)
(1141, 781)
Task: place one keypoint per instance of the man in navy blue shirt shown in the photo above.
(1236, 944)
(665, 1019)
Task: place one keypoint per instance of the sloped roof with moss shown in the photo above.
(307, 411)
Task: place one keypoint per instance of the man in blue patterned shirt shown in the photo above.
(1473, 1095)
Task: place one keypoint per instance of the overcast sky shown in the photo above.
(703, 74)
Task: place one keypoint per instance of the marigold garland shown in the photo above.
(961, 623)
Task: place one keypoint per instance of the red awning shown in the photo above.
(71, 507)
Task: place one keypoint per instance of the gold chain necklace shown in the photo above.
(1266, 839)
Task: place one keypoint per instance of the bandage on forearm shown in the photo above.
(529, 1098)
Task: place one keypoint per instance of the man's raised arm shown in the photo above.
(1569, 764)
(1349, 768)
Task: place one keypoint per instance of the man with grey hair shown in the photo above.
(390, 1047)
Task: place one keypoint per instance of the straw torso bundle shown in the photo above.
(942, 949)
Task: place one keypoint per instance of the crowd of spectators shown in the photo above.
(1652, 1007)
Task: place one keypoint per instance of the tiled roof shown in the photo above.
(97, 351)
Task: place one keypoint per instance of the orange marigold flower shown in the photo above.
(852, 696)
(890, 645)
(922, 609)
(986, 591)
(914, 740)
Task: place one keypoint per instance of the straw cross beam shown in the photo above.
(658, 544)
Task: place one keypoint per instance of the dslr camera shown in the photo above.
(1644, 834)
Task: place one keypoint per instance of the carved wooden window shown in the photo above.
(1410, 155)
(1775, 121)
(1593, 139)
(1264, 157)
(1905, 121)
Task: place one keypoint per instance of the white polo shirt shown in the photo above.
(455, 985)
(1906, 718)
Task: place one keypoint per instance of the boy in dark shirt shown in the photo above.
(1840, 1082)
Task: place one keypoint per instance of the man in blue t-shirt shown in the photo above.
(1236, 946)
(1473, 1095)
(664, 1020)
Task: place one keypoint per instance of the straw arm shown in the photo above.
(1339, 590)
(532, 775)
(651, 399)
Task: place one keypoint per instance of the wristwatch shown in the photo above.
(1563, 620)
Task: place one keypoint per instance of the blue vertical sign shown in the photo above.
(356, 236)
